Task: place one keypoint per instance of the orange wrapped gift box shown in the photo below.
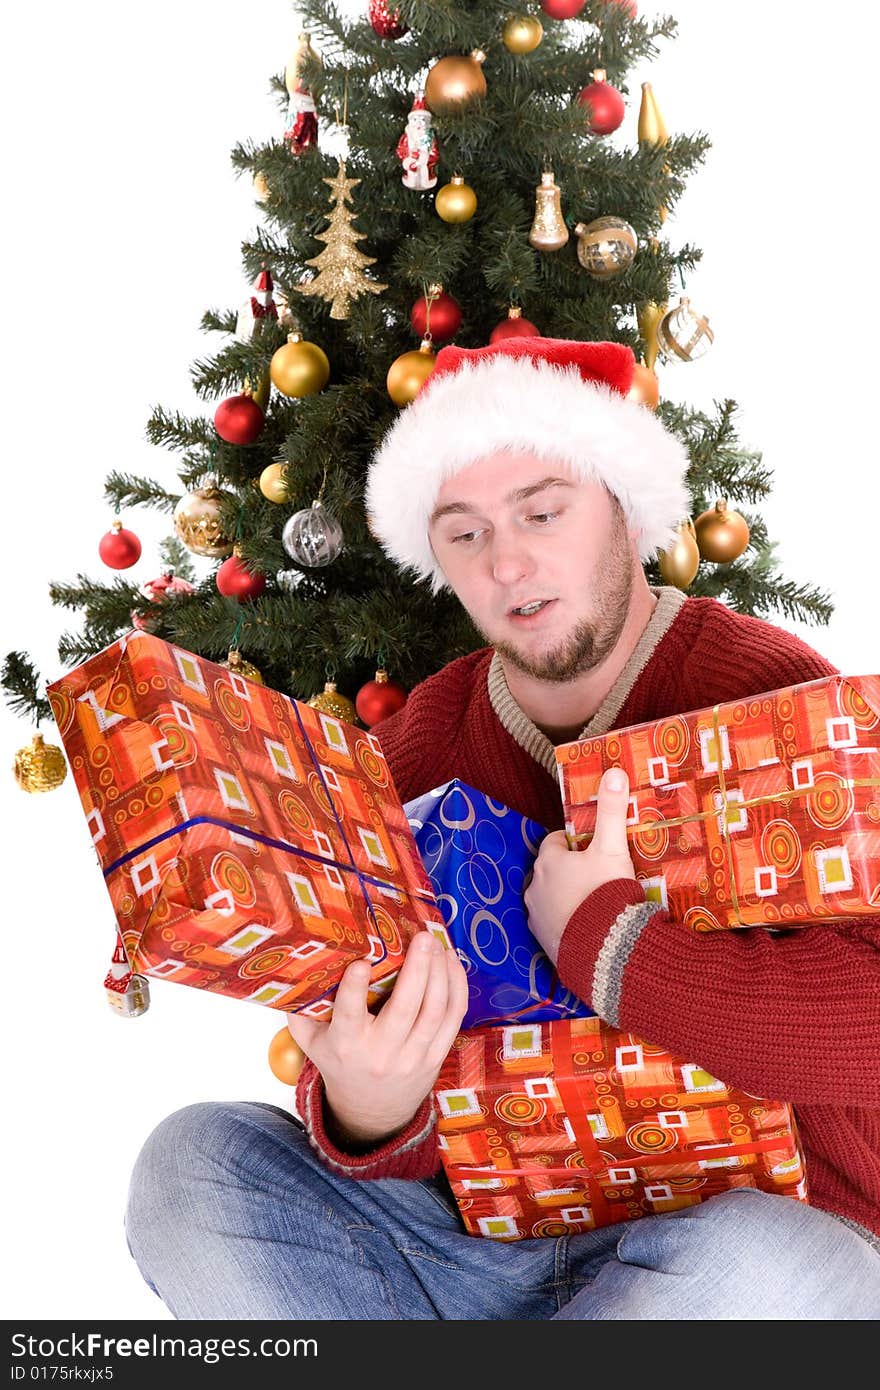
(760, 812)
(251, 844)
(551, 1128)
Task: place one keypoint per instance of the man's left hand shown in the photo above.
(562, 878)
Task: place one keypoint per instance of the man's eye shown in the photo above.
(466, 537)
(543, 516)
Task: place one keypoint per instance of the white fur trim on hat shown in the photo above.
(505, 403)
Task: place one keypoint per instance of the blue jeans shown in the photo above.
(231, 1215)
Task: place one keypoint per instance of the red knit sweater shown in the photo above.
(794, 1016)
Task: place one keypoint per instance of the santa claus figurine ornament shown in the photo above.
(417, 148)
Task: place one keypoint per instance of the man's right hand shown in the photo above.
(378, 1068)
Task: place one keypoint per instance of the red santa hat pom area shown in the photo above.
(564, 401)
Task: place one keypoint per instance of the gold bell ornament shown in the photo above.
(329, 701)
(682, 334)
(456, 201)
(197, 521)
(236, 663)
(408, 372)
(40, 767)
(299, 368)
(722, 534)
(679, 564)
(274, 484)
(606, 246)
(454, 81)
(522, 33)
(548, 232)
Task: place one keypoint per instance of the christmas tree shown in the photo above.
(441, 172)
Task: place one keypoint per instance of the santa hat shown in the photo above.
(564, 401)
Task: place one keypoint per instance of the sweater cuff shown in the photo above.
(597, 943)
(410, 1154)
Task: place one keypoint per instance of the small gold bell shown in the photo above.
(549, 232)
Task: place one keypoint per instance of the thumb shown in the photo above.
(610, 835)
(306, 1033)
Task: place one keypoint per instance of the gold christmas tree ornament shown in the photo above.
(340, 267)
(455, 81)
(548, 232)
(645, 388)
(682, 334)
(722, 534)
(236, 662)
(409, 372)
(649, 315)
(261, 186)
(606, 247)
(652, 128)
(273, 483)
(522, 33)
(679, 564)
(456, 201)
(197, 522)
(299, 368)
(329, 701)
(260, 392)
(302, 56)
(40, 767)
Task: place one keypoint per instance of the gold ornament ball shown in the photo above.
(679, 564)
(236, 662)
(606, 247)
(197, 522)
(329, 701)
(273, 483)
(522, 33)
(408, 373)
(722, 534)
(454, 81)
(456, 201)
(645, 388)
(299, 368)
(40, 767)
(286, 1057)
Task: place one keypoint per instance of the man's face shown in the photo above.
(521, 529)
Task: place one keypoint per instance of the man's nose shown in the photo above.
(510, 558)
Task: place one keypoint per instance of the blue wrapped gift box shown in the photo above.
(478, 854)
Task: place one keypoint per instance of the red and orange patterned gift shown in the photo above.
(761, 812)
(551, 1128)
(251, 844)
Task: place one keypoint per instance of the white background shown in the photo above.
(123, 224)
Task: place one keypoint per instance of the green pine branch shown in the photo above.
(23, 687)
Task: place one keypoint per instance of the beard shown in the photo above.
(593, 638)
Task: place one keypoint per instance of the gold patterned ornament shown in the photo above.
(340, 279)
(409, 372)
(40, 767)
(236, 662)
(606, 247)
(722, 533)
(548, 232)
(299, 368)
(682, 334)
(197, 521)
(649, 315)
(329, 701)
(652, 128)
(274, 484)
(456, 201)
(454, 81)
(522, 33)
(679, 564)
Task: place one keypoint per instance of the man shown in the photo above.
(523, 477)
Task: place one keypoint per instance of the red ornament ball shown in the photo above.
(235, 580)
(387, 23)
(157, 591)
(445, 317)
(120, 549)
(562, 9)
(379, 698)
(607, 107)
(238, 420)
(516, 327)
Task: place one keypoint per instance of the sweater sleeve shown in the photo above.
(413, 1153)
(794, 1016)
